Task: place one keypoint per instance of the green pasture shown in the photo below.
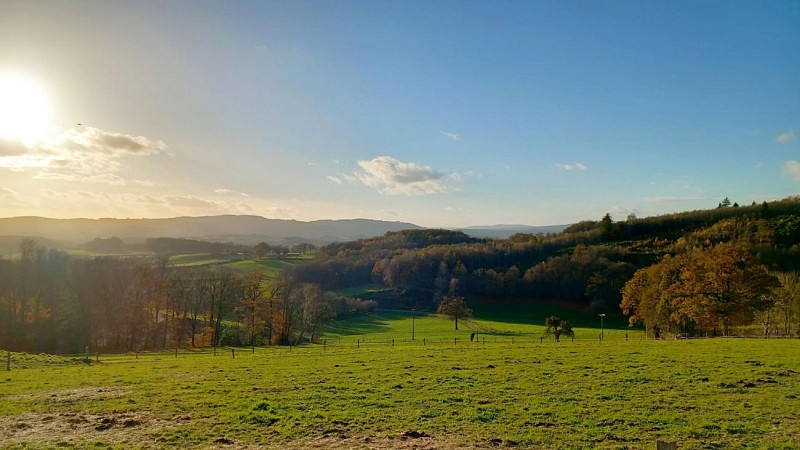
(202, 259)
(358, 390)
(498, 324)
(270, 266)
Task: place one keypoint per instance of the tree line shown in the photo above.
(707, 291)
(590, 262)
(51, 302)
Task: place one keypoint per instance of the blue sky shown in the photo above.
(438, 113)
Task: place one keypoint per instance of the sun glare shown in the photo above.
(24, 109)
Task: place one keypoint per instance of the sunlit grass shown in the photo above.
(715, 393)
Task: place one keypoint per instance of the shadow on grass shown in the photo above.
(534, 312)
(363, 324)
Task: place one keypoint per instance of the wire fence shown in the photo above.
(347, 344)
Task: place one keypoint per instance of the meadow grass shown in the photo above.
(501, 324)
(271, 266)
(705, 393)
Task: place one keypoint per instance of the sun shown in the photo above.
(24, 109)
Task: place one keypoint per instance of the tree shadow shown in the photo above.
(362, 324)
(535, 312)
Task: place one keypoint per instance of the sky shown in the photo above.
(439, 113)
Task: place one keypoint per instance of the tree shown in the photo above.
(700, 290)
(726, 202)
(261, 250)
(454, 308)
(556, 327)
(606, 227)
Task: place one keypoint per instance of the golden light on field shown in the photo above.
(24, 109)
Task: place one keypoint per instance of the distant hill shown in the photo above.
(505, 231)
(246, 230)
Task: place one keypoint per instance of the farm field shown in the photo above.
(714, 393)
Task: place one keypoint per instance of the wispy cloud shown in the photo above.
(224, 191)
(4, 191)
(785, 138)
(335, 179)
(571, 167)
(393, 177)
(792, 169)
(189, 201)
(452, 136)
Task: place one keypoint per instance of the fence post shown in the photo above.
(455, 341)
(423, 342)
(254, 349)
(233, 353)
(392, 342)
(86, 358)
(358, 343)
(541, 339)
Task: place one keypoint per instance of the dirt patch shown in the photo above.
(119, 427)
(376, 443)
(67, 396)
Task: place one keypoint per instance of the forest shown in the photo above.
(591, 263)
(52, 302)
(695, 273)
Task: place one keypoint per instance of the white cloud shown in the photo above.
(335, 179)
(452, 136)
(785, 138)
(224, 191)
(278, 213)
(621, 212)
(792, 169)
(571, 167)
(393, 177)
(10, 147)
(4, 191)
(88, 155)
(189, 201)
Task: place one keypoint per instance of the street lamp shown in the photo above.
(601, 325)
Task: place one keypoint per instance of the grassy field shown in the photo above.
(499, 326)
(708, 393)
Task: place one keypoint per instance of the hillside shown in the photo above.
(246, 230)
(589, 263)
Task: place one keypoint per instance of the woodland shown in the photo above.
(726, 270)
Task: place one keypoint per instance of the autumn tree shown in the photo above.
(700, 290)
(556, 327)
(454, 308)
(261, 250)
(786, 311)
